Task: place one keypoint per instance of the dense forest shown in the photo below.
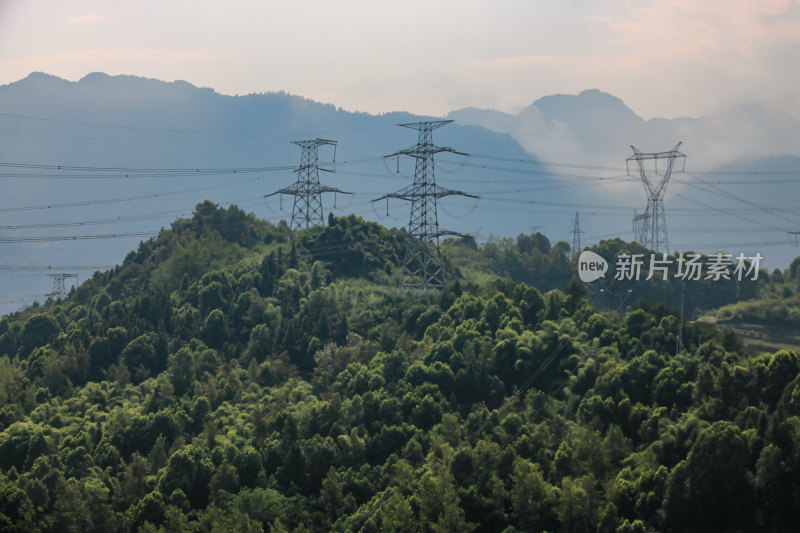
(228, 378)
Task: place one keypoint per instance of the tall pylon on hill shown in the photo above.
(307, 190)
(422, 266)
(650, 227)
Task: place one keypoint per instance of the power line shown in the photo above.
(543, 172)
(187, 171)
(89, 170)
(123, 219)
(190, 132)
(99, 125)
(708, 210)
(96, 222)
(570, 205)
(545, 163)
(47, 268)
(134, 171)
(126, 198)
(56, 238)
(736, 214)
(742, 200)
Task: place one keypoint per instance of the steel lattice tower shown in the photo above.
(576, 236)
(650, 227)
(59, 289)
(422, 266)
(307, 191)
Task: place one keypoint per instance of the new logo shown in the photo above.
(591, 266)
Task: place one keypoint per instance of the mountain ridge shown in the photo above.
(133, 122)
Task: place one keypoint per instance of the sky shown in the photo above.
(663, 58)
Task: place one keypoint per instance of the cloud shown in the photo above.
(88, 18)
(662, 57)
(532, 60)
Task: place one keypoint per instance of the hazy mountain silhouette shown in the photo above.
(594, 127)
(741, 183)
(128, 121)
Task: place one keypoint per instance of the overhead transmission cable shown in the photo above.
(732, 196)
(153, 172)
(211, 133)
(126, 198)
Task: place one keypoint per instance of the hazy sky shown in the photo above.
(664, 58)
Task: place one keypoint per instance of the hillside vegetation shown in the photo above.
(227, 378)
(771, 319)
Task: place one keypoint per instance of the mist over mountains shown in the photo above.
(123, 121)
(740, 185)
(594, 127)
(561, 155)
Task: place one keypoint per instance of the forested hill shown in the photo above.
(227, 378)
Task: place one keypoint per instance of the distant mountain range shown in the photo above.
(742, 181)
(534, 169)
(594, 127)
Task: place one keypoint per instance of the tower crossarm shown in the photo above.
(651, 226)
(412, 192)
(303, 189)
(428, 125)
(449, 233)
(314, 142)
(425, 150)
(442, 192)
(655, 191)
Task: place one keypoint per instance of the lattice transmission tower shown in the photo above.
(650, 227)
(59, 288)
(307, 190)
(576, 236)
(422, 266)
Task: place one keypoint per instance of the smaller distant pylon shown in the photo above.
(59, 288)
(576, 236)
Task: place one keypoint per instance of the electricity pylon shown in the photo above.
(59, 290)
(307, 190)
(422, 266)
(576, 236)
(651, 226)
